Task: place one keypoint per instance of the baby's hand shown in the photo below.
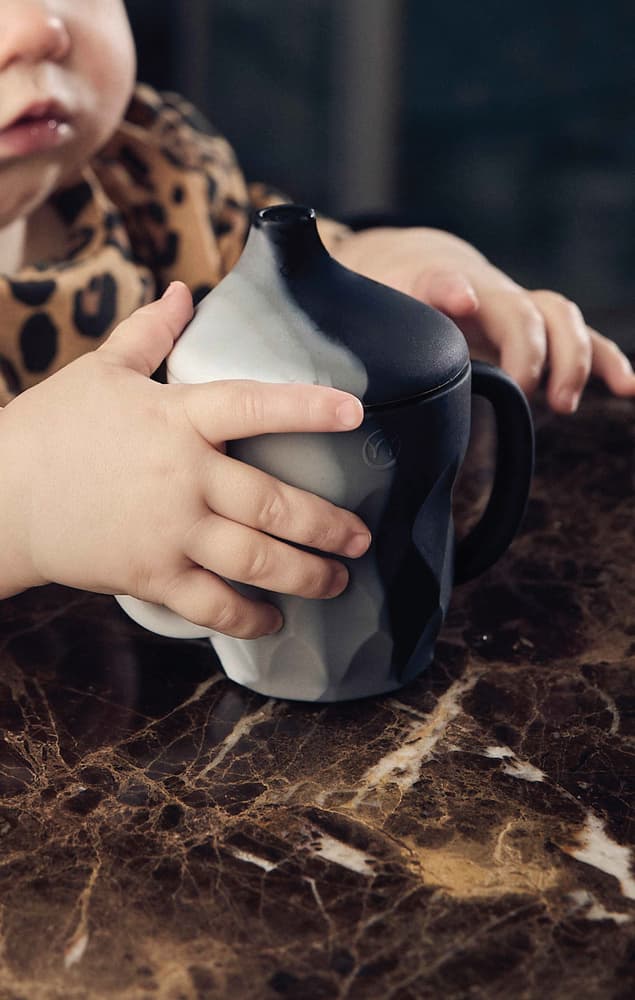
(117, 484)
(525, 332)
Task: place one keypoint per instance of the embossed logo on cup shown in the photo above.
(380, 450)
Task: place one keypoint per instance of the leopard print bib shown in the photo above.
(164, 200)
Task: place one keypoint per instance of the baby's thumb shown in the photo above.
(144, 339)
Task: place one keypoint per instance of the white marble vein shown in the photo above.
(594, 910)
(75, 950)
(402, 766)
(597, 849)
(515, 767)
(242, 728)
(498, 752)
(343, 854)
(253, 859)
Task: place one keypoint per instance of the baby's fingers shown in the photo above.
(514, 325)
(144, 339)
(448, 290)
(569, 349)
(239, 553)
(234, 409)
(611, 364)
(251, 497)
(205, 599)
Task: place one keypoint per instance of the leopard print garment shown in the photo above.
(164, 200)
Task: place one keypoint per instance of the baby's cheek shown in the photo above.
(105, 67)
(103, 116)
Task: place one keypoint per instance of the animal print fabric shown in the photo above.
(164, 200)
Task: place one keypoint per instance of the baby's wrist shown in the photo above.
(17, 571)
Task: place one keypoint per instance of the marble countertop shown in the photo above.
(167, 834)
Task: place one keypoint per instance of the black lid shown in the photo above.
(407, 348)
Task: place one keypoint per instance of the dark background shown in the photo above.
(510, 124)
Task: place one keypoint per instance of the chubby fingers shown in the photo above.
(515, 326)
(233, 409)
(245, 555)
(611, 364)
(248, 507)
(257, 500)
(205, 599)
(569, 349)
(144, 339)
(575, 351)
(530, 332)
(217, 548)
(218, 545)
(448, 290)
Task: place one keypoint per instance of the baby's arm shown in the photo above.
(115, 483)
(526, 332)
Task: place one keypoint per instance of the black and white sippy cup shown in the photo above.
(289, 313)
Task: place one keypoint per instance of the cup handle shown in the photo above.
(506, 506)
(161, 620)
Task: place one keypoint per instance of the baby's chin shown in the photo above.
(25, 185)
(27, 182)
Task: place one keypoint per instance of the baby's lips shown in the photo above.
(33, 136)
(50, 109)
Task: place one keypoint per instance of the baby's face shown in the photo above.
(67, 70)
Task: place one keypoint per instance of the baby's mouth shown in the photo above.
(42, 126)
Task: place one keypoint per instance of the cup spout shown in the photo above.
(292, 233)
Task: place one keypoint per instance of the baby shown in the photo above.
(109, 196)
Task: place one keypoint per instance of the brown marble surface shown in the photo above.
(166, 834)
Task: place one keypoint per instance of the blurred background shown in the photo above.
(512, 125)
